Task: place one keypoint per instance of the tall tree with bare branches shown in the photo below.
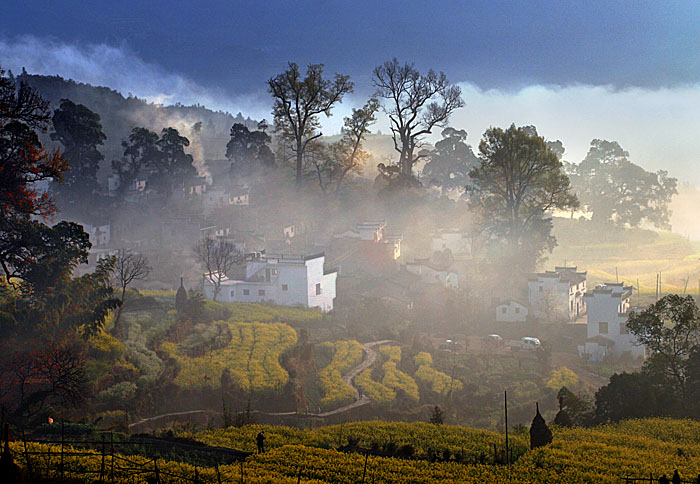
(298, 101)
(218, 258)
(415, 104)
(128, 267)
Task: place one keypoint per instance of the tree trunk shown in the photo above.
(117, 329)
(299, 164)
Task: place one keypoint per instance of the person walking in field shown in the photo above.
(676, 479)
(261, 442)
(664, 480)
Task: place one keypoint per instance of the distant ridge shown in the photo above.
(120, 114)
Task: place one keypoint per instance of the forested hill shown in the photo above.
(120, 114)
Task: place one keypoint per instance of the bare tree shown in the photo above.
(415, 104)
(218, 258)
(34, 380)
(332, 162)
(299, 101)
(128, 267)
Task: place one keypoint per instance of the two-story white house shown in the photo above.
(608, 308)
(287, 280)
(557, 295)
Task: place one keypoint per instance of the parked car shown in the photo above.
(495, 339)
(527, 343)
(449, 345)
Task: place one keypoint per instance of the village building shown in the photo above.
(220, 197)
(511, 311)
(432, 273)
(286, 280)
(100, 233)
(366, 250)
(458, 243)
(557, 295)
(608, 308)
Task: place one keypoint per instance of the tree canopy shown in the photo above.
(415, 104)
(449, 163)
(616, 190)
(248, 151)
(297, 103)
(517, 183)
(80, 132)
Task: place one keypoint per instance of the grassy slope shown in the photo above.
(636, 253)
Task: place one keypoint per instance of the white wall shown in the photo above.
(611, 309)
(299, 277)
(566, 300)
(511, 312)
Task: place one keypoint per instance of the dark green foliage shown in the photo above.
(628, 395)
(140, 151)
(80, 132)
(248, 151)
(438, 416)
(616, 190)
(449, 164)
(518, 182)
(574, 410)
(172, 166)
(670, 328)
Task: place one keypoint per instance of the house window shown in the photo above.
(231, 293)
(517, 310)
(285, 287)
(318, 288)
(261, 292)
(540, 289)
(624, 329)
(503, 310)
(246, 292)
(603, 328)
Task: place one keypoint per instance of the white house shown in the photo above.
(608, 308)
(287, 280)
(100, 235)
(460, 244)
(219, 197)
(433, 274)
(239, 195)
(511, 311)
(373, 231)
(557, 294)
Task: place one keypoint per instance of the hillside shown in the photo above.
(606, 454)
(120, 114)
(637, 254)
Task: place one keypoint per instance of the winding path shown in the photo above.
(369, 359)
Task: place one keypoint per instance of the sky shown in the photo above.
(623, 70)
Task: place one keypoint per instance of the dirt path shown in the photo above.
(349, 379)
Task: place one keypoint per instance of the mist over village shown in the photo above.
(332, 242)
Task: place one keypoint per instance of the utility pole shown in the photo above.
(657, 287)
(505, 399)
(617, 279)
